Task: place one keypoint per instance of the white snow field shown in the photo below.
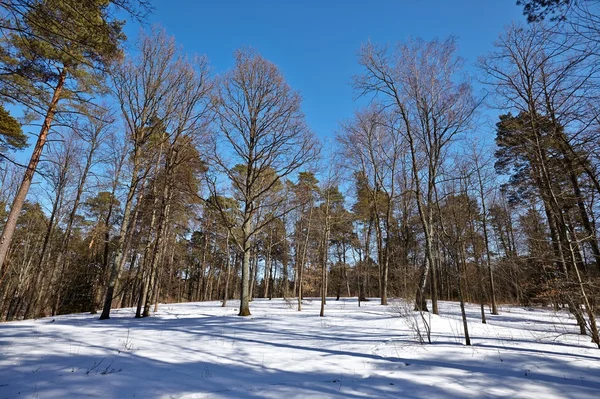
(201, 350)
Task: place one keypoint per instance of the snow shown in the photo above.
(201, 350)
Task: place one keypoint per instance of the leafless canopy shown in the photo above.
(260, 126)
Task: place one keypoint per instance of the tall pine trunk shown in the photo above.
(19, 200)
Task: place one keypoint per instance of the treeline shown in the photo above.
(180, 185)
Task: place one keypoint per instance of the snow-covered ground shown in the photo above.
(200, 350)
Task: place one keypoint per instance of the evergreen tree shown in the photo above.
(11, 133)
(56, 50)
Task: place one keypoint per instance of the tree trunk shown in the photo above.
(38, 287)
(158, 245)
(227, 270)
(61, 261)
(434, 279)
(324, 260)
(303, 260)
(119, 260)
(588, 307)
(245, 282)
(254, 273)
(285, 279)
(19, 200)
(460, 268)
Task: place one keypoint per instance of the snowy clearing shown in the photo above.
(201, 350)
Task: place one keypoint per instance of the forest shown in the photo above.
(155, 180)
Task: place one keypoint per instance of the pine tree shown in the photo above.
(11, 133)
(56, 50)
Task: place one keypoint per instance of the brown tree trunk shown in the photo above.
(303, 260)
(122, 245)
(227, 270)
(488, 257)
(245, 281)
(460, 266)
(19, 200)
(61, 260)
(324, 259)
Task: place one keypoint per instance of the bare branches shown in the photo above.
(261, 139)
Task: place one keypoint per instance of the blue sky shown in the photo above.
(315, 42)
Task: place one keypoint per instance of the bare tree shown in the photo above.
(261, 128)
(185, 127)
(484, 178)
(373, 145)
(59, 171)
(93, 132)
(148, 90)
(418, 81)
(547, 81)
